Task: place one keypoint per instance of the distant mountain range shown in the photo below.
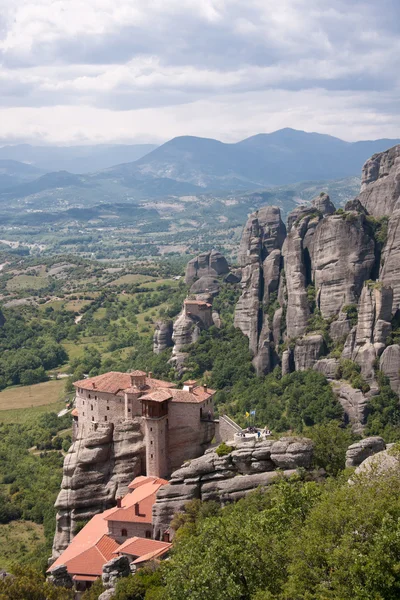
(76, 159)
(183, 166)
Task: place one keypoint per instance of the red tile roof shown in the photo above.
(138, 481)
(86, 538)
(115, 381)
(198, 303)
(144, 496)
(151, 555)
(74, 412)
(138, 373)
(91, 561)
(137, 546)
(198, 394)
(157, 395)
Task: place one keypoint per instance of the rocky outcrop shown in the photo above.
(379, 463)
(97, 469)
(354, 404)
(390, 365)
(209, 264)
(162, 338)
(323, 204)
(308, 350)
(228, 478)
(367, 342)
(206, 285)
(113, 571)
(358, 452)
(260, 259)
(380, 182)
(343, 257)
(59, 577)
(327, 366)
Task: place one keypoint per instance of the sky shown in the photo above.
(134, 71)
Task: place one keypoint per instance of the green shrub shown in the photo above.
(223, 449)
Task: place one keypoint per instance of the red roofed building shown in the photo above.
(177, 425)
(124, 529)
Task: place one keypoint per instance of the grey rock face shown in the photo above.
(390, 265)
(206, 285)
(355, 205)
(162, 338)
(327, 366)
(374, 325)
(390, 365)
(97, 470)
(343, 257)
(340, 328)
(229, 478)
(354, 404)
(308, 350)
(323, 204)
(115, 569)
(287, 362)
(186, 331)
(379, 463)
(60, 577)
(209, 264)
(358, 452)
(380, 183)
(260, 259)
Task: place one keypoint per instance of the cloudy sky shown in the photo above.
(92, 71)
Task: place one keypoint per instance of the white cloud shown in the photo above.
(122, 69)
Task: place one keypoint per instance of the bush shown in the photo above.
(223, 449)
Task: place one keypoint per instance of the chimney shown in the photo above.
(119, 502)
(205, 387)
(93, 385)
(137, 508)
(150, 375)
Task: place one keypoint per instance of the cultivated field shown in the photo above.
(31, 396)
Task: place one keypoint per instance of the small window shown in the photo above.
(83, 414)
(105, 418)
(124, 533)
(89, 396)
(151, 429)
(95, 397)
(83, 402)
(151, 456)
(92, 418)
(148, 534)
(91, 407)
(129, 410)
(108, 408)
(151, 442)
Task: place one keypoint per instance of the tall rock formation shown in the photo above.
(380, 182)
(368, 340)
(209, 264)
(260, 259)
(343, 256)
(390, 265)
(162, 338)
(97, 471)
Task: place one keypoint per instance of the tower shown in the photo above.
(155, 414)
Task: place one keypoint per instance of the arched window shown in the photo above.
(124, 533)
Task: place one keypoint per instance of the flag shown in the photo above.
(247, 415)
(252, 412)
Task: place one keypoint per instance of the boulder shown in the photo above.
(358, 452)
(390, 365)
(115, 569)
(379, 463)
(287, 362)
(355, 205)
